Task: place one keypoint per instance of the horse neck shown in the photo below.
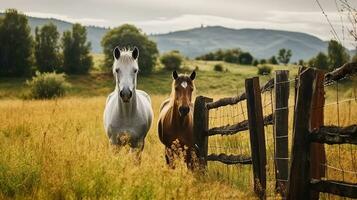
(128, 108)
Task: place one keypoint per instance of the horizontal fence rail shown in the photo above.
(235, 128)
(342, 72)
(340, 188)
(335, 135)
(234, 100)
(230, 159)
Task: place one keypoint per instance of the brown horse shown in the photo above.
(175, 126)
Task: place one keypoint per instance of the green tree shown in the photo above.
(171, 60)
(263, 61)
(47, 48)
(129, 36)
(76, 49)
(15, 44)
(337, 54)
(245, 58)
(273, 60)
(284, 56)
(320, 61)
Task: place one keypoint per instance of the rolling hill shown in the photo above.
(262, 43)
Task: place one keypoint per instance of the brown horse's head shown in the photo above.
(182, 89)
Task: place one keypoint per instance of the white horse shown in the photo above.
(128, 113)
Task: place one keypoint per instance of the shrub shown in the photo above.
(171, 60)
(255, 63)
(264, 70)
(47, 85)
(218, 68)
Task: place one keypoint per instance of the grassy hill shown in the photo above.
(262, 43)
(98, 83)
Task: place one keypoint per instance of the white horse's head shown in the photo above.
(125, 70)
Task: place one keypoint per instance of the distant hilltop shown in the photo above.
(261, 43)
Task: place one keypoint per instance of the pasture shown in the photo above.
(58, 149)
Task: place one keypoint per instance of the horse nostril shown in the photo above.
(130, 93)
(184, 110)
(121, 93)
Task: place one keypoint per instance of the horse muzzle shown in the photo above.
(126, 94)
(184, 110)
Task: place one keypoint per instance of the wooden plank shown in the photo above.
(200, 127)
(299, 170)
(339, 188)
(226, 101)
(335, 135)
(341, 72)
(235, 128)
(230, 159)
(257, 137)
(281, 125)
(234, 100)
(317, 151)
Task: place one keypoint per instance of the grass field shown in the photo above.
(57, 149)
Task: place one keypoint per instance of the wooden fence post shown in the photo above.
(281, 125)
(257, 136)
(200, 127)
(299, 177)
(317, 151)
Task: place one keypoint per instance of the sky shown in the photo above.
(162, 16)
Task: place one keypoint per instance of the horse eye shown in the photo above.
(117, 70)
(135, 71)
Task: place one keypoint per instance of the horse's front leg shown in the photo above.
(169, 156)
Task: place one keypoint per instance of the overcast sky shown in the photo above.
(161, 16)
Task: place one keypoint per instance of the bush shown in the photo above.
(218, 68)
(264, 70)
(171, 60)
(255, 63)
(47, 85)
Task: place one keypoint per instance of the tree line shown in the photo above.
(21, 54)
(238, 56)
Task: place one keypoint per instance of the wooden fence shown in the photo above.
(309, 135)
(255, 125)
(301, 178)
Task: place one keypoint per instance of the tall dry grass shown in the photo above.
(57, 149)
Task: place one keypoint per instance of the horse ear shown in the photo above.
(174, 75)
(135, 53)
(116, 53)
(193, 75)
